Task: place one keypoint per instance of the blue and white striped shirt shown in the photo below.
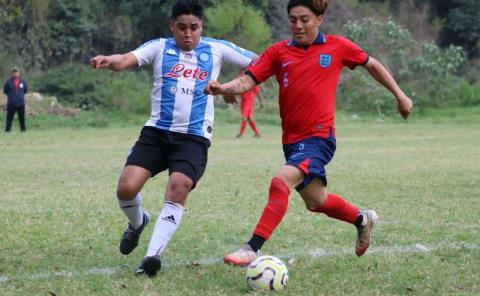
(178, 101)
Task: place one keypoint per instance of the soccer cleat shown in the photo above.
(243, 257)
(131, 236)
(149, 266)
(370, 217)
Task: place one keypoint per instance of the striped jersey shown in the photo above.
(179, 79)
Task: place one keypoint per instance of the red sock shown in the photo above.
(242, 127)
(275, 209)
(253, 125)
(337, 208)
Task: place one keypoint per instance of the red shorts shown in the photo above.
(247, 107)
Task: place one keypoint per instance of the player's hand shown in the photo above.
(230, 99)
(100, 62)
(213, 88)
(405, 105)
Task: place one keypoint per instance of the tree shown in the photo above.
(462, 26)
(237, 22)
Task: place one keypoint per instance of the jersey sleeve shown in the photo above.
(265, 66)
(353, 55)
(146, 53)
(232, 53)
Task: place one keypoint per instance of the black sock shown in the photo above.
(256, 242)
(359, 220)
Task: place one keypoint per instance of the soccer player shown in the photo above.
(177, 135)
(247, 105)
(307, 68)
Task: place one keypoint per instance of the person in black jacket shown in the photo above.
(15, 88)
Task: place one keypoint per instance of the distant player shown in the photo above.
(308, 68)
(177, 135)
(247, 105)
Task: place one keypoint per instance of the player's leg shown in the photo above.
(146, 159)
(280, 187)
(318, 200)
(243, 125)
(253, 126)
(179, 185)
(21, 118)
(129, 198)
(10, 115)
(187, 163)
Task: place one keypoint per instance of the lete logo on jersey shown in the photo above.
(180, 70)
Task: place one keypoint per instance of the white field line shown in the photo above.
(290, 258)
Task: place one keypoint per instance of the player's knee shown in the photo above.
(313, 207)
(178, 190)
(126, 190)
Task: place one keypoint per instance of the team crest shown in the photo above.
(204, 57)
(325, 60)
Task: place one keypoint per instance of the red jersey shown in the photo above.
(308, 79)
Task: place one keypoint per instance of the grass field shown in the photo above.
(60, 222)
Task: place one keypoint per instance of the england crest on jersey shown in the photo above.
(325, 60)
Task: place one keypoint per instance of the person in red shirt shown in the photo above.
(307, 68)
(247, 105)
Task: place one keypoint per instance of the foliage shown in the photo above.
(462, 25)
(83, 87)
(239, 23)
(428, 75)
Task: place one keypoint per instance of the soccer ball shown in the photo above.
(267, 273)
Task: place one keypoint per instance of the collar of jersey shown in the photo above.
(321, 39)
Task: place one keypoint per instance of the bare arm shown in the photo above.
(378, 71)
(235, 87)
(261, 99)
(116, 62)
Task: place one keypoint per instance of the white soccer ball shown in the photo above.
(267, 273)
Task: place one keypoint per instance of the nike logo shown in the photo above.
(286, 64)
(297, 154)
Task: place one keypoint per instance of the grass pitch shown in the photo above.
(61, 224)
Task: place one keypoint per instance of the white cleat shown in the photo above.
(243, 257)
(370, 217)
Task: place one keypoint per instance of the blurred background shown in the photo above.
(431, 47)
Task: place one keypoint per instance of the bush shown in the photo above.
(424, 71)
(82, 87)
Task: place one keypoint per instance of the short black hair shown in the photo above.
(317, 6)
(187, 7)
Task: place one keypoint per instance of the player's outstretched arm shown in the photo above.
(378, 71)
(235, 87)
(116, 62)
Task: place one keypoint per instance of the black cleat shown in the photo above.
(131, 236)
(149, 266)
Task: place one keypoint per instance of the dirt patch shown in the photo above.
(36, 103)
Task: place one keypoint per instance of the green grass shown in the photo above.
(60, 219)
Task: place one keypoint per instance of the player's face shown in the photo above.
(16, 74)
(186, 30)
(304, 25)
